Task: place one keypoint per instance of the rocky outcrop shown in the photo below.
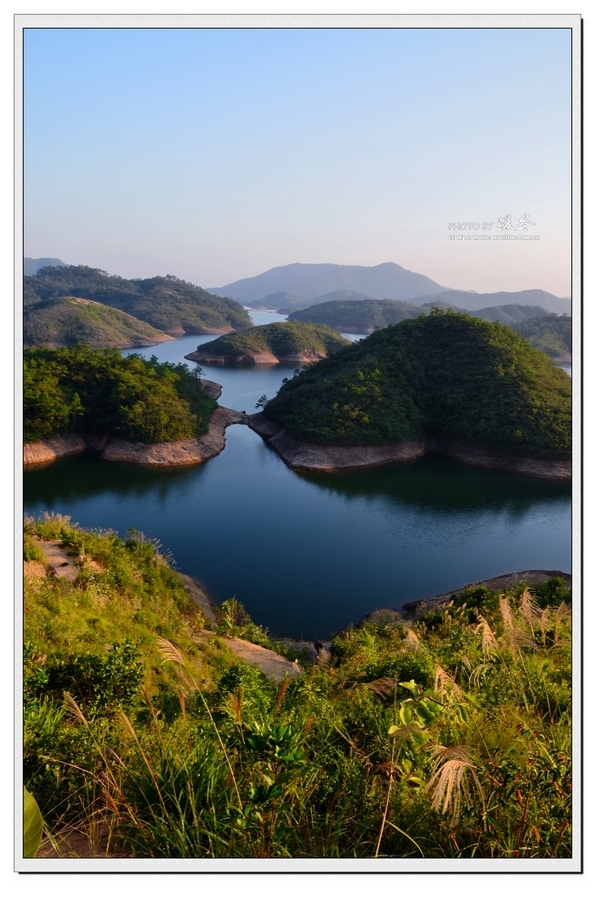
(41, 453)
(254, 359)
(275, 667)
(307, 457)
(499, 583)
(177, 453)
(211, 388)
(389, 618)
(202, 600)
(165, 454)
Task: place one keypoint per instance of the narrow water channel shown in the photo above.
(309, 554)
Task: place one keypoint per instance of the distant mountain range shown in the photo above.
(470, 301)
(301, 285)
(32, 266)
(284, 302)
(546, 331)
(318, 279)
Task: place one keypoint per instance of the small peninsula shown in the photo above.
(294, 342)
(128, 409)
(444, 382)
(69, 320)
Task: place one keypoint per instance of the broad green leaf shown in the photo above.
(32, 825)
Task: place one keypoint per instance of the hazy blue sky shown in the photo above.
(214, 155)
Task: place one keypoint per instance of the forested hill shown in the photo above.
(98, 392)
(446, 376)
(552, 334)
(167, 303)
(70, 320)
(357, 316)
(293, 341)
(547, 332)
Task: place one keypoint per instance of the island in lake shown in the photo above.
(294, 342)
(446, 382)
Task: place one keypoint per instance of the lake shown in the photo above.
(309, 554)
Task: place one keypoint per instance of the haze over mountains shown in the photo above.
(317, 279)
(294, 285)
(32, 266)
(301, 285)
(471, 301)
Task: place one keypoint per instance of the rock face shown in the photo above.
(255, 359)
(177, 453)
(168, 453)
(43, 452)
(211, 388)
(499, 583)
(307, 457)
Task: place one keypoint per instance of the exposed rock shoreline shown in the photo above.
(307, 457)
(166, 454)
(417, 608)
(254, 359)
(318, 652)
(196, 329)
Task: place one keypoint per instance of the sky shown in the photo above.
(217, 154)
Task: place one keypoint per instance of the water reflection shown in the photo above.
(441, 484)
(307, 555)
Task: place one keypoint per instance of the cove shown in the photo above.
(309, 554)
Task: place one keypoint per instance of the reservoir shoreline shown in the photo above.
(306, 457)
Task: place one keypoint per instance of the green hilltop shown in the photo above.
(167, 303)
(357, 316)
(99, 392)
(291, 340)
(70, 320)
(446, 376)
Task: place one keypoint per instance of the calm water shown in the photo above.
(307, 555)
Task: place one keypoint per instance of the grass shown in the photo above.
(447, 737)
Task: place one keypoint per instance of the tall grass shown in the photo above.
(445, 738)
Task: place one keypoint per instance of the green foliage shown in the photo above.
(280, 339)
(32, 551)
(358, 316)
(448, 737)
(445, 376)
(551, 333)
(98, 392)
(98, 682)
(167, 304)
(69, 320)
(32, 825)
